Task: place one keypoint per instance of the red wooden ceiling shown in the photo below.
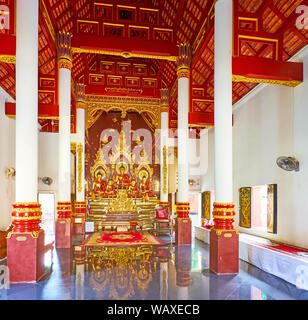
(185, 18)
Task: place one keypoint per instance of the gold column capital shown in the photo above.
(184, 60)
(80, 92)
(164, 100)
(65, 50)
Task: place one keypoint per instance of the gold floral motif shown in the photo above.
(27, 218)
(164, 109)
(80, 105)
(121, 236)
(122, 203)
(124, 54)
(183, 72)
(245, 207)
(8, 59)
(65, 63)
(26, 210)
(271, 208)
(219, 232)
(288, 83)
(97, 104)
(207, 205)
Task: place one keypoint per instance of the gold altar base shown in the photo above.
(117, 213)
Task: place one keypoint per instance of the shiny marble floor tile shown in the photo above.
(148, 273)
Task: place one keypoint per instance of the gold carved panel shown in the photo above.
(206, 205)
(245, 207)
(272, 208)
(98, 104)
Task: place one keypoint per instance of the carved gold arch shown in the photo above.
(145, 166)
(96, 105)
(99, 165)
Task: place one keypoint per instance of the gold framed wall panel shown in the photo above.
(151, 106)
(206, 205)
(272, 208)
(245, 207)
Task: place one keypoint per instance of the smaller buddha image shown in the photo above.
(110, 190)
(99, 185)
(144, 185)
(133, 190)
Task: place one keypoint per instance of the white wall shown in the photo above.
(48, 162)
(7, 160)
(269, 123)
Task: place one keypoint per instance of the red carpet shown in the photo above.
(287, 250)
(114, 239)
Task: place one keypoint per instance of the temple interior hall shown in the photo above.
(153, 150)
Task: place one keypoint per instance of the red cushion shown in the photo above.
(162, 213)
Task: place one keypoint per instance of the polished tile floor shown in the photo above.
(147, 273)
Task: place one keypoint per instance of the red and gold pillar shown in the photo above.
(25, 243)
(80, 204)
(183, 221)
(224, 242)
(64, 227)
(79, 217)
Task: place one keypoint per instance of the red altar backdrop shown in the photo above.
(112, 120)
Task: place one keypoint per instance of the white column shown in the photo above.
(183, 108)
(64, 189)
(164, 134)
(223, 101)
(26, 100)
(80, 174)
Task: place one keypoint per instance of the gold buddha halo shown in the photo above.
(122, 164)
(143, 173)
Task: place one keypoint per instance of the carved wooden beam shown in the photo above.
(260, 70)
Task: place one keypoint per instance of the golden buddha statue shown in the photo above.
(133, 190)
(145, 189)
(122, 179)
(99, 185)
(110, 189)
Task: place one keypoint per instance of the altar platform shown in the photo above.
(285, 262)
(122, 213)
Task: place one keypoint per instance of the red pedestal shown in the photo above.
(224, 251)
(25, 256)
(182, 231)
(64, 233)
(79, 217)
(182, 224)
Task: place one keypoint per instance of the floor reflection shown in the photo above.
(165, 272)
